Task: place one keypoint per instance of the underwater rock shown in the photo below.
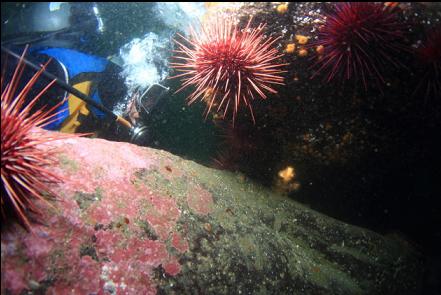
(135, 220)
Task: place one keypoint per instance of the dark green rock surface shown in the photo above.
(134, 220)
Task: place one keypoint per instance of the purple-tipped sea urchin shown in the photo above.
(359, 40)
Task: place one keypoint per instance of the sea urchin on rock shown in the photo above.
(229, 67)
(24, 163)
(360, 39)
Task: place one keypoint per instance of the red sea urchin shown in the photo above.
(24, 163)
(360, 39)
(228, 67)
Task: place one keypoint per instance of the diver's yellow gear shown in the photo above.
(76, 107)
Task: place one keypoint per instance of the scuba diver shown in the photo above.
(56, 31)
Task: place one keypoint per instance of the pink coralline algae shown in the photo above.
(163, 216)
(130, 262)
(97, 233)
(200, 200)
(179, 243)
(126, 224)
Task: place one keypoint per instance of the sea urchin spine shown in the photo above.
(360, 39)
(228, 67)
(429, 56)
(24, 163)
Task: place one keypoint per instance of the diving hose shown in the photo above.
(72, 90)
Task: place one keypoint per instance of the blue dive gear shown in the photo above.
(75, 63)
